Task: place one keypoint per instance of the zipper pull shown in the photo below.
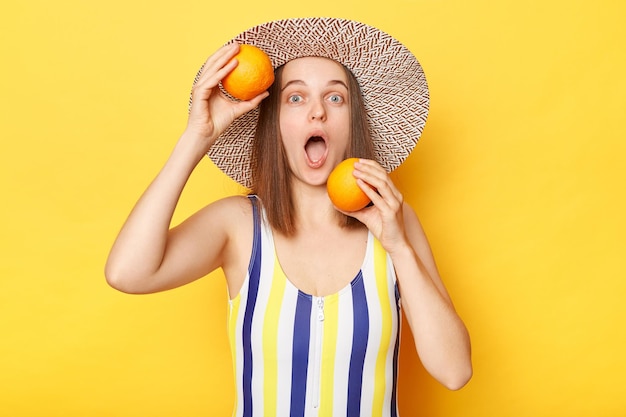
(320, 309)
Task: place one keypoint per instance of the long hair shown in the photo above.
(271, 175)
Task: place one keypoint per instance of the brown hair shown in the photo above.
(271, 175)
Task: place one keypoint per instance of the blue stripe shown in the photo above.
(254, 270)
(359, 346)
(300, 354)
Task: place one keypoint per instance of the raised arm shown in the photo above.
(441, 338)
(147, 256)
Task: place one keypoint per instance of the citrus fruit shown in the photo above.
(342, 188)
(252, 75)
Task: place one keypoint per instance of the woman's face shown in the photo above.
(314, 117)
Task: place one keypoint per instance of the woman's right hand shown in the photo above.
(147, 256)
(211, 110)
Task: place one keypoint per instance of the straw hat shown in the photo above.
(392, 82)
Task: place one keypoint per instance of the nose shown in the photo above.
(318, 112)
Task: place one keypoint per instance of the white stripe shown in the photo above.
(343, 352)
(313, 362)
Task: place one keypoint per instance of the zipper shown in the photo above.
(317, 359)
(320, 309)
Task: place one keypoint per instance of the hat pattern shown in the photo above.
(392, 82)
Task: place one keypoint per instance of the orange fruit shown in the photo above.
(252, 75)
(342, 188)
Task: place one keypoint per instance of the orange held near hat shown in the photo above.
(252, 75)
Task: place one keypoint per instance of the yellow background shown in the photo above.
(518, 178)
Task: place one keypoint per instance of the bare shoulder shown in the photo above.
(216, 232)
(233, 215)
(226, 219)
(232, 208)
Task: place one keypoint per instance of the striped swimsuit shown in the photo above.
(295, 354)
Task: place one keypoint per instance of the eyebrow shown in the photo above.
(301, 82)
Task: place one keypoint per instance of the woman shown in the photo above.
(314, 293)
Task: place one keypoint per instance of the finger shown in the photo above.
(219, 58)
(211, 77)
(373, 174)
(217, 66)
(208, 85)
(370, 171)
(242, 107)
(210, 80)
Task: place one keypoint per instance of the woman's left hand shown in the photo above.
(385, 217)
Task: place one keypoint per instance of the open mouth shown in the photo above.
(315, 150)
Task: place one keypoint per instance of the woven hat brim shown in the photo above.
(392, 82)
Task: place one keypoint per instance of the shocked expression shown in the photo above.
(314, 117)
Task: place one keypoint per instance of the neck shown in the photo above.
(314, 209)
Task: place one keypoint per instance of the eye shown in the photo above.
(295, 98)
(335, 98)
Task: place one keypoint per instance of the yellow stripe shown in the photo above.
(233, 314)
(380, 269)
(329, 344)
(270, 341)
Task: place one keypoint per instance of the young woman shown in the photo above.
(315, 293)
